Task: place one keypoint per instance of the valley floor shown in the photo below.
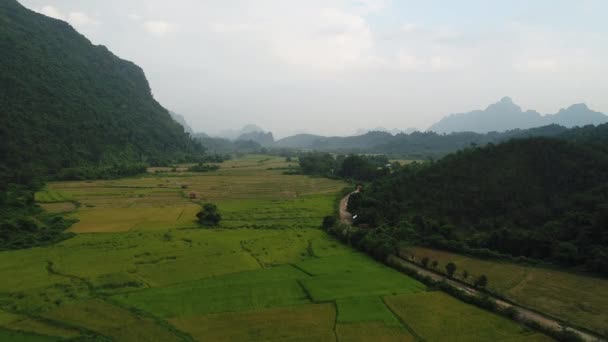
(140, 269)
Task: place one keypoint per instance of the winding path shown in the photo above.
(523, 314)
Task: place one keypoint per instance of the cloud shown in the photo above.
(220, 27)
(135, 17)
(52, 12)
(330, 39)
(372, 5)
(79, 20)
(159, 27)
(538, 65)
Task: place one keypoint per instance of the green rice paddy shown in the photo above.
(141, 269)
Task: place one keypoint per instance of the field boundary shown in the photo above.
(403, 323)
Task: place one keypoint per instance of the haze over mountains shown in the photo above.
(506, 115)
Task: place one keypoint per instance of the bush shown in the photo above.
(328, 222)
(209, 215)
(203, 168)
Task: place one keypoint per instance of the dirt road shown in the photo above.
(523, 313)
(345, 216)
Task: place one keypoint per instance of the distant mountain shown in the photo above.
(226, 146)
(393, 131)
(234, 134)
(299, 141)
(506, 115)
(65, 102)
(264, 139)
(416, 145)
(180, 120)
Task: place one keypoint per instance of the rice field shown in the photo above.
(141, 269)
(575, 298)
(435, 316)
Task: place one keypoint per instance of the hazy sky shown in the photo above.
(333, 66)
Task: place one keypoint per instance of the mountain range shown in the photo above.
(506, 115)
(67, 103)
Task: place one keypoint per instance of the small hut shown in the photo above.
(192, 195)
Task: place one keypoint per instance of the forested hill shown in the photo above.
(65, 102)
(538, 197)
(416, 145)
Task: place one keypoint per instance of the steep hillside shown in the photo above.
(506, 115)
(538, 197)
(67, 103)
(182, 121)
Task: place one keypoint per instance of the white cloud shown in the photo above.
(220, 27)
(135, 17)
(330, 39)
(373, 5)
(538, 65)
(159, 27)
(52, 12)
(407, 62)
(80, 19)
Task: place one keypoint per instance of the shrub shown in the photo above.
(209, 215)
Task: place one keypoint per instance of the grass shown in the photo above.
(313, 322)
(250, 192)
(52, 196)
(16, 336)
(575, 298)
(365, 309)
(112, 321)
(435, 316)
(140, 268)
(200, 298)
(352, 275)
(372, 331)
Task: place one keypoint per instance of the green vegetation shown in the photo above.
(573, 297)
(435, 316)
(365, 309)
(312, 322)
(533, 198)
(203, 168)
(157, 277)
(361, 168)
(209, 215)
(82, 114)
(23, 224)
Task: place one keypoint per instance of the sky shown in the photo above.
(335, 66)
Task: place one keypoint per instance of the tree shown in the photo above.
(328, 222)
(450, 268)
(481, 281)
(434, 264)
(425, 262)
(209, 215)
(465, 274)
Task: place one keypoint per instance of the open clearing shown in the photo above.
(140, 268)
(575, 298)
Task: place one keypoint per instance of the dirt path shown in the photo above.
(523, 313)
(345, 216)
